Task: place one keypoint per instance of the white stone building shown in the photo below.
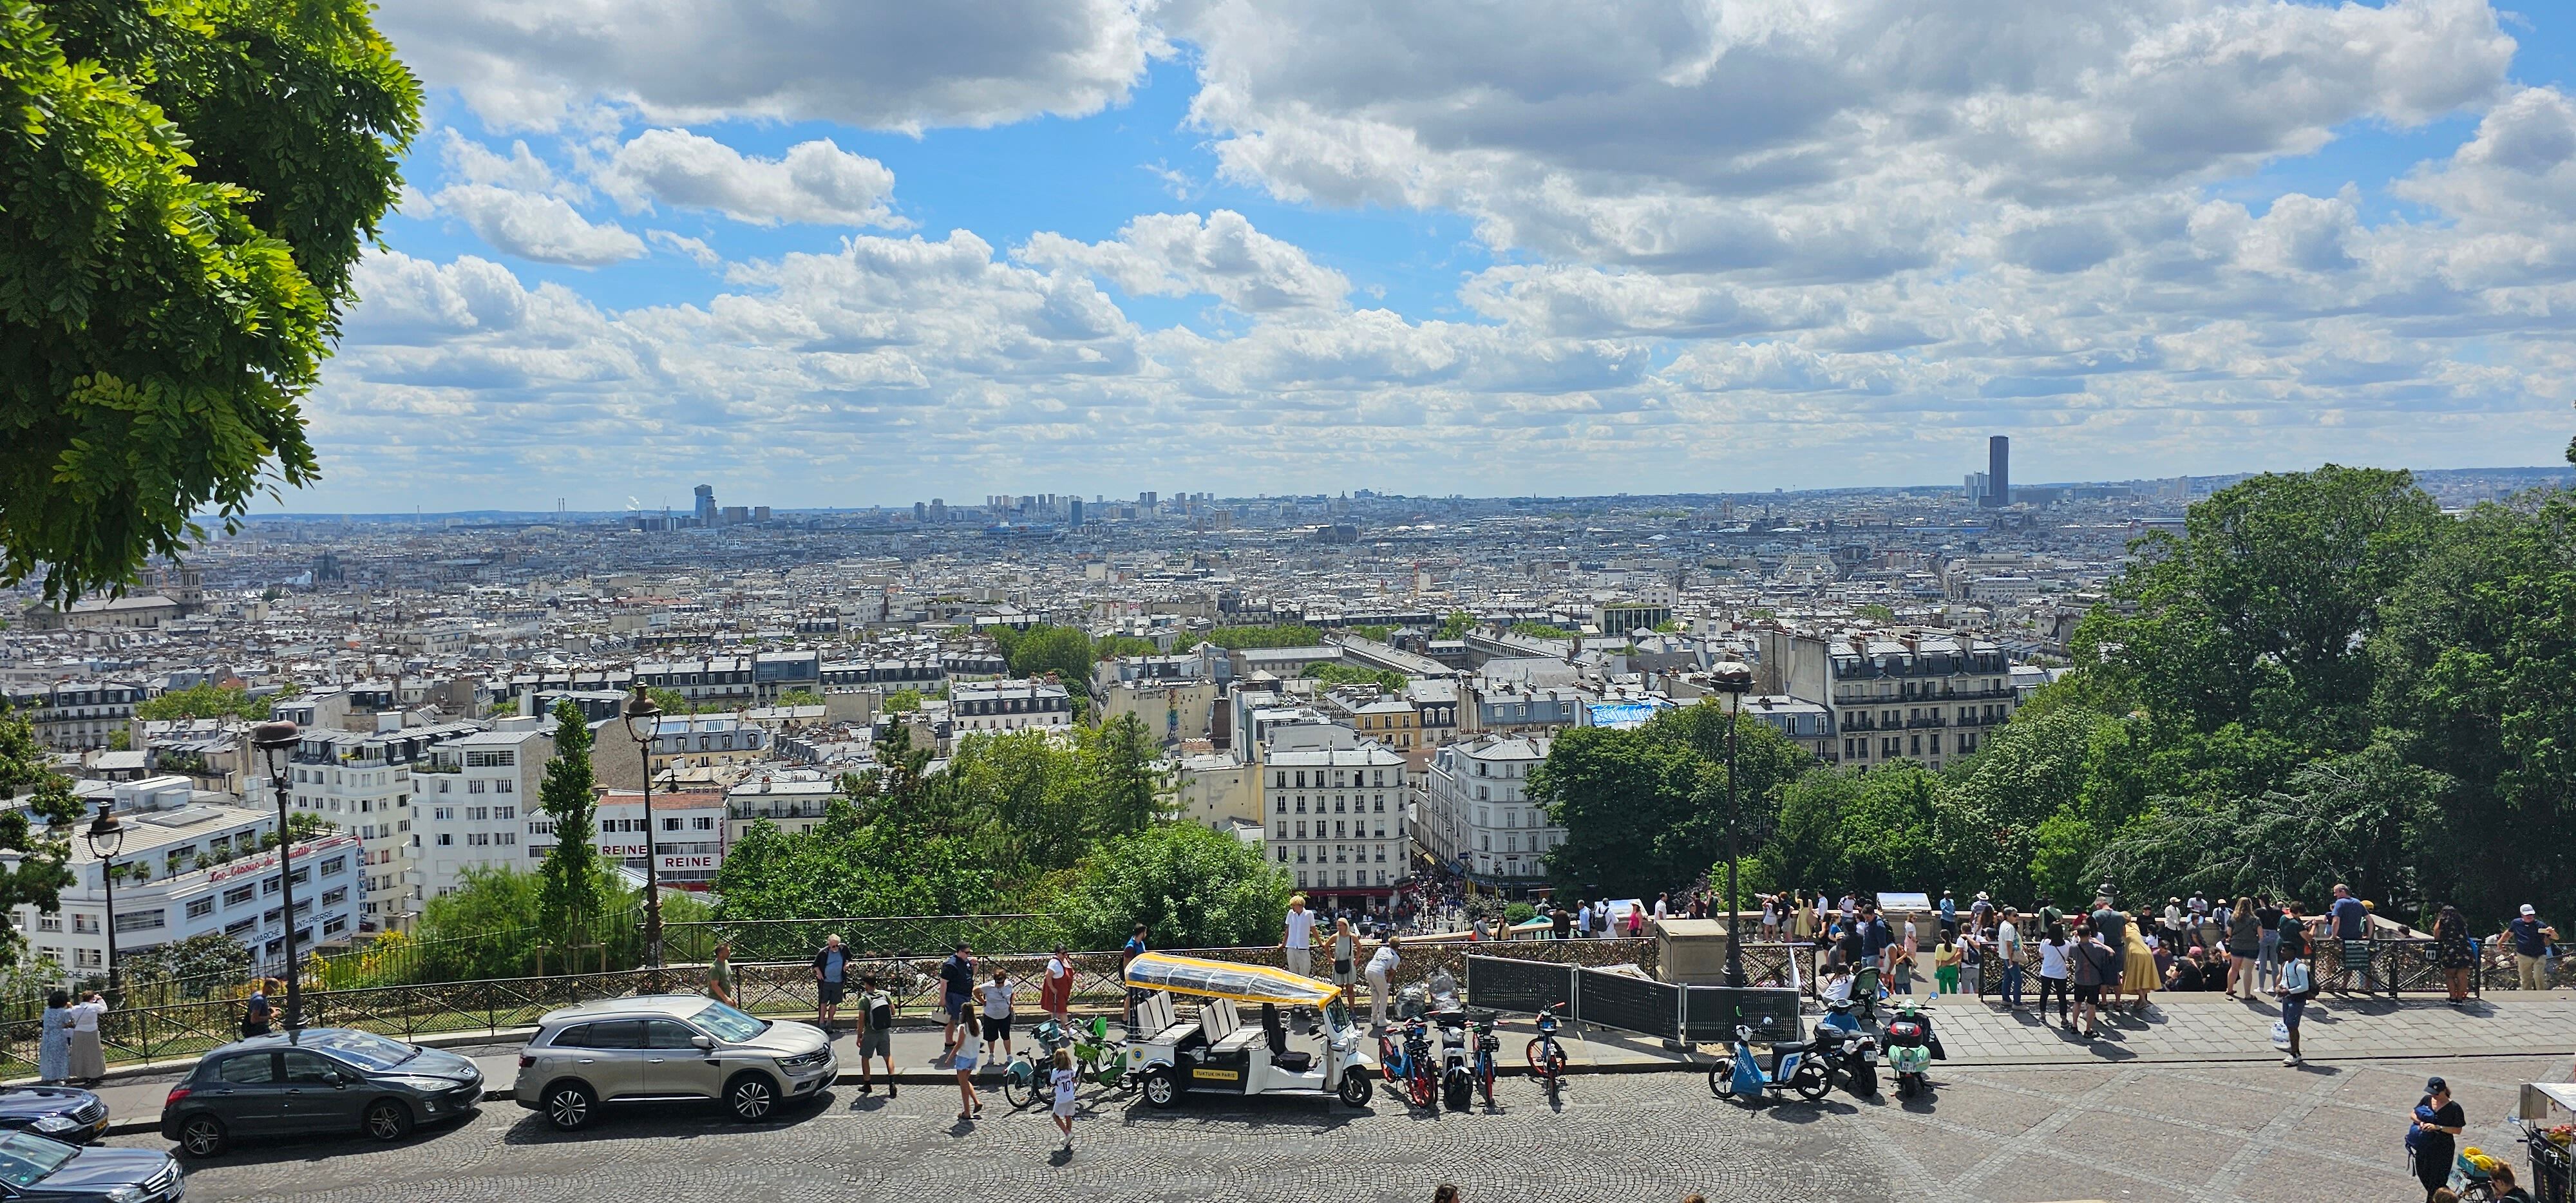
(1336, 809)
(1477, 815)
(472, 797)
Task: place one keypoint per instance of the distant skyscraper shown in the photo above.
(706, 510)
(1145, 500)
(1998, 473)
(1073, 511)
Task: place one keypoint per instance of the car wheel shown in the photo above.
(202, 1136)
(751, 1096)
(1162, 1089)
(569, 1106)
(388, 1119)
(1356, 1088)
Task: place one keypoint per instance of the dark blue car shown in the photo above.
(71, 1116)
(36, 1168)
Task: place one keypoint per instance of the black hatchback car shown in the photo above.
(317, 1081)
(71, 1116)
(36, 1168)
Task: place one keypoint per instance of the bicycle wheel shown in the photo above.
(1422, 1087)
(1721, 1078)
(1485, 1077)
(1020, 1083)
(1536, 1052)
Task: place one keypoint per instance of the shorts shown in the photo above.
(876, 1042)
(831, 993)
(2088, 994)
(997, 1027)
(954, 1005)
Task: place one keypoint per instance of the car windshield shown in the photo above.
(366, 1050)
(25, 1160)
(727, 1024)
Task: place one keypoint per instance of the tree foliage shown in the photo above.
(1334, 672)
(1237, 639)
(185, 187)
(204, 700)
(1192, 887)
(43, 852)
(1645, 810)
(568, 895)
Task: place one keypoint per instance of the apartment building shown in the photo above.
(192, 863)
(981, 707)
(473, 794)
(74, 716)
(685, 741)
(689, 835)
(1917, 694)
(793, 799)
(1172, 709)
(1336, 811)
(363, 784)
(718, 680)
(1477, 817)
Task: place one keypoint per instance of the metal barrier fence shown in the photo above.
(2390, 967)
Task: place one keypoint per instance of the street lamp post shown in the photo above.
(1734, 680)
(643, 723)
(274, 740)
(106, 837)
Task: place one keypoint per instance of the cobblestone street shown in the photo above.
(2209, 1132)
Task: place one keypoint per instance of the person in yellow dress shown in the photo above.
(2138, 969)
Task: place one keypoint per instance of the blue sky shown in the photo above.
(870, 252)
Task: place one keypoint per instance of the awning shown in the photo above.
(1225, 979)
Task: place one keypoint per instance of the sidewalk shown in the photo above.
(2210, 1027)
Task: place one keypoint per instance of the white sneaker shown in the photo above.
(2289, 1061)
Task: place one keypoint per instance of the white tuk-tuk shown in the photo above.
(1237, 1040)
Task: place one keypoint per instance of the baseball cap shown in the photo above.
(2526, 909)
(2435, 1086)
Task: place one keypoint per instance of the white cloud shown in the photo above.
(696, 249)
(816, 182)
(880, 64)
(533, 226)
(1179, 254)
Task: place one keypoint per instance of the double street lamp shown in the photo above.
(106, 837)
(1734, 680)
(274, 741)
(643, 724)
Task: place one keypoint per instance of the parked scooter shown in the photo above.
(1911, 1049)
(1794, 1067)
(1852, 1052)
(1457, 1064)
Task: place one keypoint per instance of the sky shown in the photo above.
(874, 251)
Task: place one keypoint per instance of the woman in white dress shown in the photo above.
(1063, 1079)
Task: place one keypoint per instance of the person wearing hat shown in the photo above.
(2438, 1120)
(2531, 939)
(1981, 913)
(1055, 991)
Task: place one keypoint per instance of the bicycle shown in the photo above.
(1098, 1059)
(1546, 1056)
(1408, 1066)
(1024, 1077)
(1487, 1044)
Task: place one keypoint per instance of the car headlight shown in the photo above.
(805, 1060)
(125, 1194)
(56, 1123)
(424, 1085)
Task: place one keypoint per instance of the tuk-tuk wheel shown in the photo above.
(1356, 1089)
(1162, 1089)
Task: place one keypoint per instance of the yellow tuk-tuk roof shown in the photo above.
(1225, 979)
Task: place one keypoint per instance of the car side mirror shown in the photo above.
(701, 1043)
(333, 1077)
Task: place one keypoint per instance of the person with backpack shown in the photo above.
(875, 1036)
(2432, 1141)
(2297, 982)
(2096, 968)
(257, 1014)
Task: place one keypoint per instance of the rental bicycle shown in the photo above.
(1487, 1044)
(1546, 1056)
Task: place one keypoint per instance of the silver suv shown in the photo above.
(668, 1046)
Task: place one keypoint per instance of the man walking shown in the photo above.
(1299, 944)
(2008, 951)
(1127, 954)
(876, 1032)
(831, 978)
(2531, 939)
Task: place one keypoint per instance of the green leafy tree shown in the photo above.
(800, 697)
(1455, 626)
(189, 185)
(903, 701)
(1122, 768)
(1874, 612)
(1617, 793)
(1192, 887)
(1108, 647)
(1064, 651)
(43, 853)
(1237, 639)
(1542, 630)
(204, 700)
(2355, 819)
(198, 963)
(671, 701)
(567, 898)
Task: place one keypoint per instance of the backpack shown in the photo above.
(2295, 977)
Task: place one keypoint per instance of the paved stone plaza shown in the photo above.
(2144, 1132)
